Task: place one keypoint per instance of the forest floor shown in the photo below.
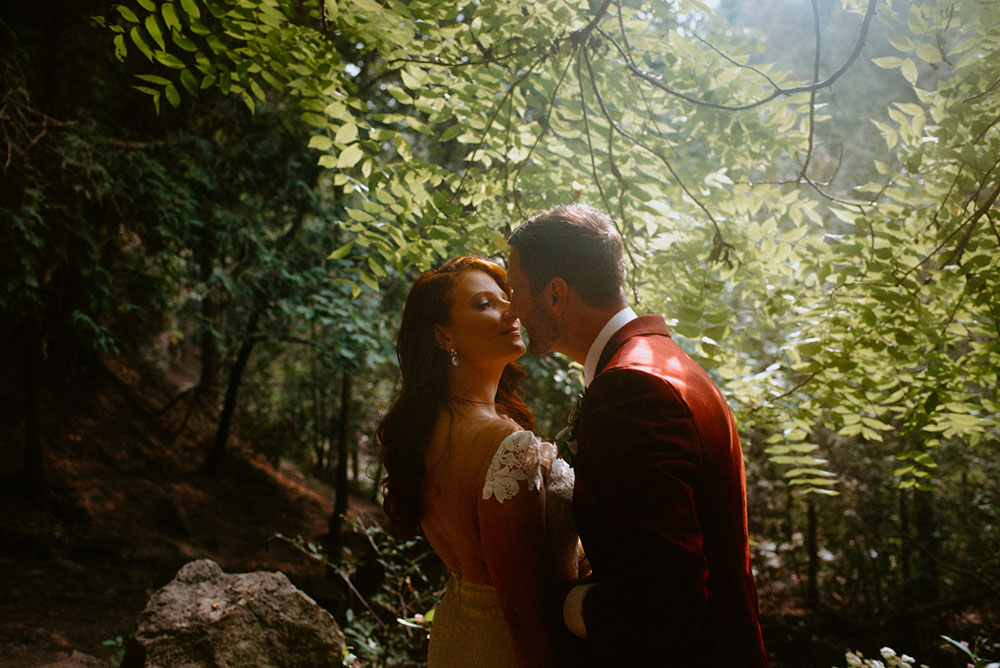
(124, 507)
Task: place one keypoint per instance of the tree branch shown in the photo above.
(719, 243)
(777, 90)
(489, 123)
(812, 93)
(545, 124)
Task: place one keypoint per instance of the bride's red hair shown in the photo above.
(407, 426)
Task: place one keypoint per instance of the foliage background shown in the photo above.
(808, 193)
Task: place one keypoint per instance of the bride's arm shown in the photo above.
(513, 539)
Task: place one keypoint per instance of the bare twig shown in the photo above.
(545, 121)
(777, 91)
(622, 185)
(985, 130)
(489, 124)
(944, 200)
(666, 162)
(812, 93)
(972, 222)
(984, 93)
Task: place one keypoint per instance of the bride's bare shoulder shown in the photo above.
(495, 430)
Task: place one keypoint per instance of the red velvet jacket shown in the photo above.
(660, 505)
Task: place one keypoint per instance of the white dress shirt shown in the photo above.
(611, 327)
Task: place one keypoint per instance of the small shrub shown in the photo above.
(890, 659)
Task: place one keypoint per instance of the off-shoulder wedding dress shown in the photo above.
(469, 629)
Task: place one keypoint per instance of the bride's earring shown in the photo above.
(453, 353)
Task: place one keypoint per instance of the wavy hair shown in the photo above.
(406, 428)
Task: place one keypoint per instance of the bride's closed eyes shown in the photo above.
(485, 302)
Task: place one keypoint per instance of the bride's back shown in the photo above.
(457, 457)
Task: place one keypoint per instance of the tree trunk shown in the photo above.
(32, 475)
(905, 549)
(812, 547)
(211, 358)
(232, 391)
(928, 570)
(355, 461)
(319, 411)
(321, 453)
(377, 483)
(335, 525)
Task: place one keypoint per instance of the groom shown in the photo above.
(660, 498)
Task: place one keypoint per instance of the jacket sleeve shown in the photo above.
(640, 456)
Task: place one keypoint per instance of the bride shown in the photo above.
(463, 465)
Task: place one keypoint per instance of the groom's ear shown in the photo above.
(557, 294)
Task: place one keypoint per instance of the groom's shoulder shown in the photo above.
(654, 362)
(653, 353)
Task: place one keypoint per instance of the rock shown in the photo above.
(205, 618)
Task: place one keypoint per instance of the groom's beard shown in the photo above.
(542, 329)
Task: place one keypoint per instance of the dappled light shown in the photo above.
(212, 211)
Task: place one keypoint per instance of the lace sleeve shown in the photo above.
(521, 456)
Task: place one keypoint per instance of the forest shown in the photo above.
(211, 212)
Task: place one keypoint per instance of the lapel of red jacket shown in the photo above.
(644, 325)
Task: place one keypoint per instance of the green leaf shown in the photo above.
(451, 132)
(360, 215)
(148, 5)
(909, 70)
(154, 79)
(173, 97)
(888, 62)
(376, 268)
(191, 8)
(183, 42)
(400, 95)
(338, 111)
(341, 252)
(312, 118)
(127, 14)
(347, 134)
(154, 30)
(170, 18)
(189, 81)
(120, 50)
(257, 90)
(350, 156)
(409, 81)
(321, 142)
(137, 39)
(170, 60)
(928, 53)
(369, 280)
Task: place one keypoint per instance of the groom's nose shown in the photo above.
(512, 303)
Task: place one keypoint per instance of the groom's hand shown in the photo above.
(573, 609)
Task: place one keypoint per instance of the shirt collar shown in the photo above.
(617, 321)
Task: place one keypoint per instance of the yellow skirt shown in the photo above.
(469, 630)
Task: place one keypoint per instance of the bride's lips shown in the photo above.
(512, 331)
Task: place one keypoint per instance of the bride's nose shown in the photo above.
(509, 313)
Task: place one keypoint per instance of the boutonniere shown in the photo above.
(566, 438)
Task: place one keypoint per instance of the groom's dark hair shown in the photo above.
(577, 243)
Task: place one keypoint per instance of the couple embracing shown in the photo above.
(656, 496)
